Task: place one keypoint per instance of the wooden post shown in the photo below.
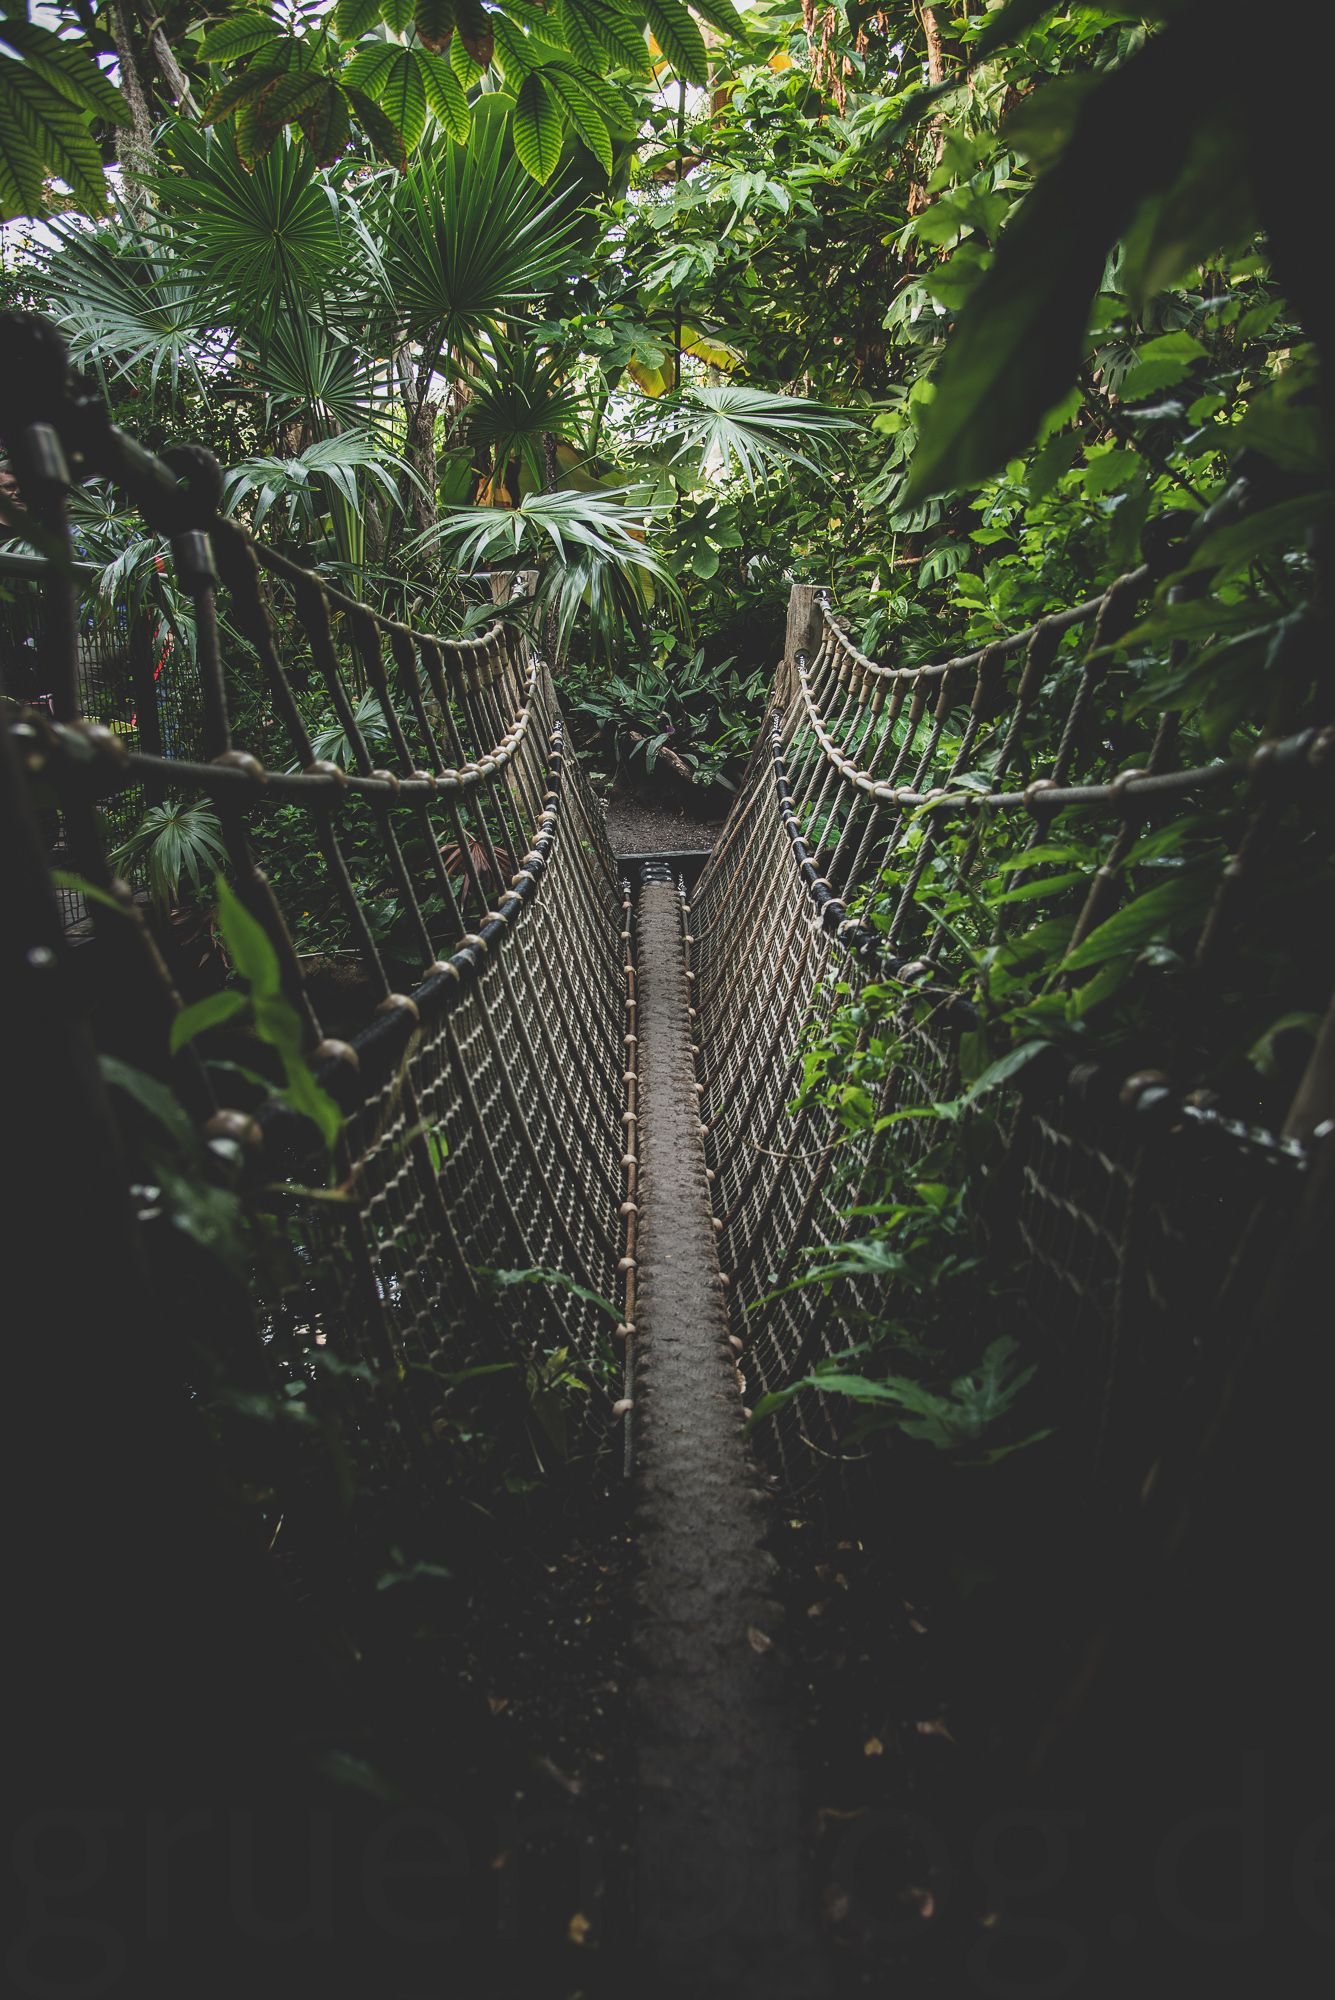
(802, 636)
(503, 583)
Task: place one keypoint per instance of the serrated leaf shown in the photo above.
(353, 18)
(245, 34)
(610, 102)
(580, 39)
(446, 96)
(385, 137)
(43, 123)
(475, 31)
(239, 91)
(369, 69)
(537, 128)
(462, 63)
(434, 22)
(679, 38)
(1160, 364)
(619, 31)
(22, 168)
(584, 115)
(283, 102)
(403, 97)
(70, 70)
(514, 55)
(326, 126)
(721, 14)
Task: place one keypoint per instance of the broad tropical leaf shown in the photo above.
(538, 127)
(50, 88)
(445, 95)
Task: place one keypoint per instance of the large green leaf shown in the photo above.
(43, 131)
(403, 97)
(69, 68)
(679, 38)
(244, 34)
(326, 125)
(354, 17)
(284, 102)
(580, 37)
(475, 31)
(385, 136)
(369, 68)
(1020, 338)
(445, 95)
(251, 82)
(1165, 908)
(721, 14)
(1209, 207)
(583, 113)
(434, 22)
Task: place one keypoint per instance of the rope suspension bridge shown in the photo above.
(601, 1085)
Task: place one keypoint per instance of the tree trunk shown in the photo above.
(173, 76)
(135, 141)
(936, 73)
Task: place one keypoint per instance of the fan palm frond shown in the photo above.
(469, 240)
(177, 844)
(751, 433)
(125, 302)
(133, 575)
(610, 526)
(519, 401)
(317, 379)
(593, 555)
(611, 600)
(271, 236)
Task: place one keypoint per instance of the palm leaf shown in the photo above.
(732, 430)
(272, 236)
(125, 304)
(469, 241)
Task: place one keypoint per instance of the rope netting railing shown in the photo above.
(474, 1038)
(900, 830)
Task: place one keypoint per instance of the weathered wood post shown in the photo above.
(508, 583)
(802, 635)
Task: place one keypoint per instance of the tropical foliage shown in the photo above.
(950, 307)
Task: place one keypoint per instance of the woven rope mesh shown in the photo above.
(432, 878)
(434, 884)
(1124, 1228)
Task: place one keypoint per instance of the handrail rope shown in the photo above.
(1057, 622)
(1044, 796)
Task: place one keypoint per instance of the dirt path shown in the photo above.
(721, 1901)
(643, 826)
